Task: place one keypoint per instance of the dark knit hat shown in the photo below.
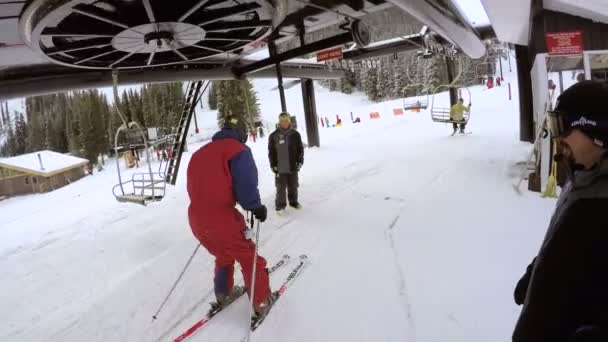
(233, 122)
(584, 106)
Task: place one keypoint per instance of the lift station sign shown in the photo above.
(564, 43)
(326, 55)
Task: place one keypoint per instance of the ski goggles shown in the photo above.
(560, 124)
(557, 124)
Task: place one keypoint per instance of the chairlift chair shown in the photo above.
(143, 187)
(419, 103)
(442, 114)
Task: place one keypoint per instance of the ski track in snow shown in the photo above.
(412, 235)
(403, 293)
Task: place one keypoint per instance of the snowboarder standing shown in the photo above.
(564, 290)
(221, 174)
(457, 115)
(286, 154)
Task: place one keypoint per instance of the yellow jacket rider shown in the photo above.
(457, 115)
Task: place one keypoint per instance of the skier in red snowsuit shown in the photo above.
(220, 174)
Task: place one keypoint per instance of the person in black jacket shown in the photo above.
(286, 154)
(564, 291)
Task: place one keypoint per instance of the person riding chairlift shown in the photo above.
(457, 115)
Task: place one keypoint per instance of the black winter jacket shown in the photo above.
(565, 291)
(296, 148)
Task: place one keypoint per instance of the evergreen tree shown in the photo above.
(86, 137)
(371, 84)
(20, 139)
(7, 118)
(346, 83)
(213, 95)
(239, 99)
(9, 147)
(1, 118)
(333, 85)
(125, 107)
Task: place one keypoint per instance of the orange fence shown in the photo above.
(398, 111)
(374, 115)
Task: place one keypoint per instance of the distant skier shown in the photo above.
(457, 115)
(564, 291)
(286, 154)
(221, 174)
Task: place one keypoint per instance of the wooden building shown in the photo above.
(39, 172)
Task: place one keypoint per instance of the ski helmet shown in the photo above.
(285, 117)
(233, 122)
(583, 106)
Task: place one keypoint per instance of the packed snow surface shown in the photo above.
(412, 235)
(43, 162)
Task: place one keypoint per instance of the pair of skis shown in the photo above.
(458, 133)
(257, 321)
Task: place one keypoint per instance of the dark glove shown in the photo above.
(469, 104)
(260, 213)
(275, 169)
(588, 333)
(522, 285)
(298, 166)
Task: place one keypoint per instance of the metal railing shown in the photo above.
(141, 189)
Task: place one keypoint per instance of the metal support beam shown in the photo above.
(273, 52)
(308, 99)
(340, 39)
(447, 21)
(524, 79)
(453, 91)
(411, 43)
(42, 79)
(310, 113)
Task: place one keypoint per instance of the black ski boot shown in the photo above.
(222, 301)
(261, 310)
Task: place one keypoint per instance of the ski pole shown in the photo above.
(255, 257)
(176, 282)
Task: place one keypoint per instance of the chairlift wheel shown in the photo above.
(139, 33)
(361, 33)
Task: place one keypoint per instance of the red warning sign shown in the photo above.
(564, 43)
(330, 54)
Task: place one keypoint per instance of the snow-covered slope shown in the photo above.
(412, 235)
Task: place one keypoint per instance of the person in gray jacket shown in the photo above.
(286, 154)
(564, 291)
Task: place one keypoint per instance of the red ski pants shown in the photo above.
(228, 245)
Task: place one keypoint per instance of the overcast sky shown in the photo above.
(474, 11)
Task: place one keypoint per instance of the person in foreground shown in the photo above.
(220, 174)
(564, 291)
